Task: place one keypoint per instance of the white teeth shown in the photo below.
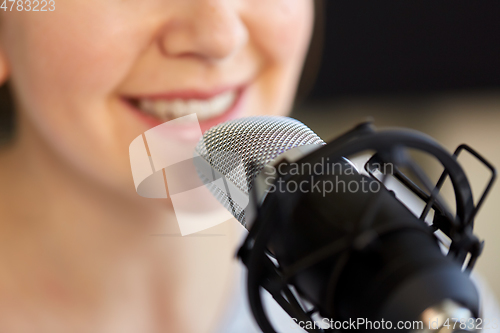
(171, 109)
(146, 104)
(161, 107)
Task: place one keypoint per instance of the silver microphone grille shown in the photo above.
(239, 149)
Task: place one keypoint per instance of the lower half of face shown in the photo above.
(93, 75)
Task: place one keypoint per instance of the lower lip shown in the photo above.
(185, 131)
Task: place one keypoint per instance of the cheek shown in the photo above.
(280, 31)
(66, 64)
(66, 57)
(64, 67)
(281, 28)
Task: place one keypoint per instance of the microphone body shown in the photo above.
(393, 270)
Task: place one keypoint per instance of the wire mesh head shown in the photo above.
(239, 149)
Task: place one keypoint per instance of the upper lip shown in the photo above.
(188, 93)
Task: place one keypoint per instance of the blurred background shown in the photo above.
(429, 65)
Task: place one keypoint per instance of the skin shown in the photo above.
(76, 251)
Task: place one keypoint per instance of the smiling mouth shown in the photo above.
(205, 107)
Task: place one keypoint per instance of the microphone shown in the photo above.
(333, 245)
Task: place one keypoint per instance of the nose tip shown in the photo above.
(214, 32)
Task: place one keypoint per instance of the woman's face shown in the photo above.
(92, 75)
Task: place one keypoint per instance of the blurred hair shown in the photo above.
(7, 113)
(309, 73)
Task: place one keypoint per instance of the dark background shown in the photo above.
(373, 47)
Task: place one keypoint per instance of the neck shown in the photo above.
(73, 237)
